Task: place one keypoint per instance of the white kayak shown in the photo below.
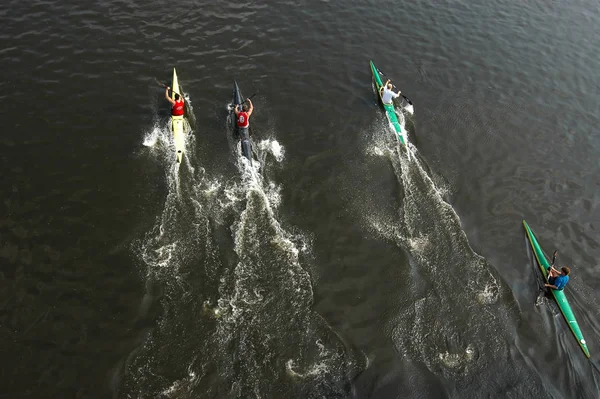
(177, 125)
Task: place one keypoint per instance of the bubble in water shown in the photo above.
(489, 295)
(457, 360)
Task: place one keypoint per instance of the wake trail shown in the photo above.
(237, 318)
(455, 311)
(265, 302)
(181, 263)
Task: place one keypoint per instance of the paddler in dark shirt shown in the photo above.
(557, 279)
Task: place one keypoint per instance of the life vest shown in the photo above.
(178, 108)
(242, 120)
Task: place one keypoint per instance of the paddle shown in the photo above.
(394, 86)
(160, 83)
(164, 85)
(249, 98)
(543, 285)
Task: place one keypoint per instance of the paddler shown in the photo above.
(243, 117)
(178, 105)
(387, 95)
(557, 279)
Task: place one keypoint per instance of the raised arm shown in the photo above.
(167, 96)
(251, 108)
(236, 109)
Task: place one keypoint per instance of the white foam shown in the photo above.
(456, 360)
(183, 386)
(151, 137)
(489, 294)
(273, 147)
(419, 244)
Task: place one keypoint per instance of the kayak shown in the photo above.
(245, 142)
(559, 295)
(177, 122)
(389, 108)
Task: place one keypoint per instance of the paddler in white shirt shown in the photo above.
(387, 95)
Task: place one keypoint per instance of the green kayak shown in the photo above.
(559, 295)
(389, 108)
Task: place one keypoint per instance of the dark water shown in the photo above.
(340, 268)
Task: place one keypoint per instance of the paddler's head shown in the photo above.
(565, 270)
(390, 86)
(245, 107)
(176, 96)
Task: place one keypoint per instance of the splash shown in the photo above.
(151, 137)
(273, 147)
(160, 142)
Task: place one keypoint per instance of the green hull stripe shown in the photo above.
(559, 295)
(389, 109)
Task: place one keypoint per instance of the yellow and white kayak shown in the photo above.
(177, 124)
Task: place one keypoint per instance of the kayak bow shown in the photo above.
(389, 108)
(245, 142)
(177, 122)
(559, 295)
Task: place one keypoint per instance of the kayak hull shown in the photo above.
(177, 124)
(559, 295)
(242, 134)
(389, 108)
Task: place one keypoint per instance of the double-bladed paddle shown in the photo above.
(248, 98)
(161, 83)
(165, 86)
(393, 85)
(545, 279)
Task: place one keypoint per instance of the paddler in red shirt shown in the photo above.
(243, 117)
(178, 103)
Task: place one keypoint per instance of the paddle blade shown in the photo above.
(160, 83)
(403, 96)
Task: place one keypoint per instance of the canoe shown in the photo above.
(559, 295)
(245, 141)
(389, 108)
(177, 125)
